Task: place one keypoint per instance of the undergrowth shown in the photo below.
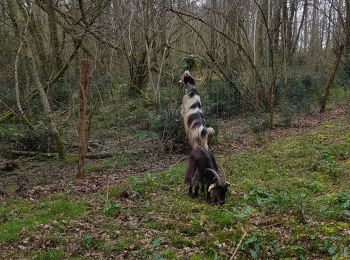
(291, 197)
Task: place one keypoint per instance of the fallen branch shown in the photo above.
(99, 155)
(5, 116)
(233, 256)
(180, 161)
(51, 155)
(30, 154)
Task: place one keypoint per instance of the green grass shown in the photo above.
(51, 255)
(115, 162)
(21, 214)
(291, 196)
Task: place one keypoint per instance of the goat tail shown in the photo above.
(204, 133)
(210, 130)
(199, 136)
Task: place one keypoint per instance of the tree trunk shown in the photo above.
(305, 25)
(138, 73)
(331, 79)
(83, 86)
(347, 27)
(315, 41)
(303, 20)
(47, 109)
(213, 35)
(54, 42)
(34, 74)
(18, 99)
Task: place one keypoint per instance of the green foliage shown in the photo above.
(162, 221)
(138, 186)
(330, 249)
(241, 214)
(327, 163)
(156, 242)
(298, 95)
(343, 198)
(20, 215)
(252, 245)
(179, 241)
(21, 137)
(224, 218)
(116, 162)
(122, 243)
(219, 100)
(188, 63)
(60, 94)
(169, 126)
(142, 135)
(344, 72)
(51, 255)
(111, 209)
(300, 252)
(257, 122)
(88, 241)
(195, 226)
(260, 196)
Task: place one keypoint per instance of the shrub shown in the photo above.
(344, 72)
(257, 122)
(168, 125)
(343, 200)
(219, 100)
(298, 95)
(23, 138)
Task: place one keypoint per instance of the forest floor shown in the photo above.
(290, 197)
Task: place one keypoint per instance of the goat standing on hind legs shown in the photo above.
(195, 125)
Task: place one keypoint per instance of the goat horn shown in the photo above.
(211, 170)
(218, 179)
(212, 186)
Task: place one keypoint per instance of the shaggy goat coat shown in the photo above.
(202, 171)
(195, 125)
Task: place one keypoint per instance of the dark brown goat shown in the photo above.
(202, 171)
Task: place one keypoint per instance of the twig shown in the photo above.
(181, 160)
(239, 244)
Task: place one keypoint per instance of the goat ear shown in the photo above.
(212, 186)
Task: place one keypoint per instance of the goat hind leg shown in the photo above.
(196, 189)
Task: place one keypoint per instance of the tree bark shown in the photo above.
(305, 39)
(83, 86)
(34, 74)
(331, 79)
(54, 42)
(46, 107)
(347, 27)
